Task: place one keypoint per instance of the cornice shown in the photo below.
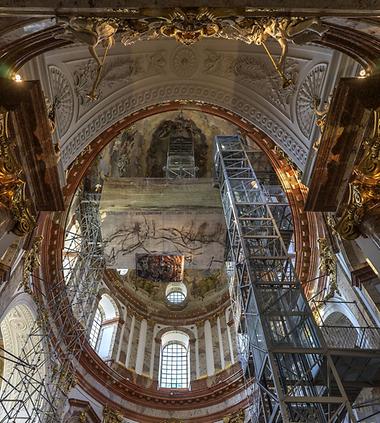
(138, 308)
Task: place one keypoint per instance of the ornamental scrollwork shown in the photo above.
(12, 186)
(63, 100)
(190, 25)
(235, 418)
(321, 118)
(308, 98)
(364, 189)
(111, 416)
(328, 266)
(31, 262)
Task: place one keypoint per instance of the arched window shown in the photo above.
(95, 328)
(71, 250)
(104, 327)
(174, 364)
(176, 293)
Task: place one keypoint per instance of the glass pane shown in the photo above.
(176, 297)
(95, 329)
(174, 366)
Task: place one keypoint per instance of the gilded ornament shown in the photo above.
(363, 201)
(12, 187)
(31, 262)
(83, 417)
(235, 418)
(328, 267)
(111, 416)
(67, 379)
(188, 27)
(364, 190)
(93, 32)
(369, 165)
(321, 115)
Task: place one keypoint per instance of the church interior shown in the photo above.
(189, 211)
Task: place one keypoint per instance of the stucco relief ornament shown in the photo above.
(185, 26)
(236, 418)
(31, 263)
(284, 30)
(308, 102)
(60, 111)
(328, 267)
(111, 416)
(93, 32)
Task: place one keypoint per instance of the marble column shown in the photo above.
(221, 349)
(229, 336)
(119, 339)
(196, 348)
(141, 347)
(130, 342)
(193, 365)
(210, 366)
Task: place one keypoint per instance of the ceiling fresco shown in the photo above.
(140, 150)
(148, 221)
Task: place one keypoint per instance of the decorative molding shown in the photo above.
(252, 71)
(111, 416)
(364, 188)
(118, 72)
(308, 93)
(223, 73)
(176, 91)
(12, 180)
(63, 99)
(328, 267)
(184, 62)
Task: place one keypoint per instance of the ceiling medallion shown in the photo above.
(184, 62)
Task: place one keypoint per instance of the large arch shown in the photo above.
(221, 73)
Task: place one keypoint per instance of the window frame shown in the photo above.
(169, 378)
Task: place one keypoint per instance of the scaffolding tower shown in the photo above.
(285, 353)
(180, 161)
(44, 372)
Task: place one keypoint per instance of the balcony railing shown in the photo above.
(349, 337)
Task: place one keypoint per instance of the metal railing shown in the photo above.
(349, 337)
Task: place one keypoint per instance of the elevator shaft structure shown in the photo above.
(287, 356)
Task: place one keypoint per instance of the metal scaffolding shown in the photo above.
(286, 354)
(43, 374)
(180, 162)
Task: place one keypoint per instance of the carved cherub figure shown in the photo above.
(91, 32)
(321, 115)
(284, 30)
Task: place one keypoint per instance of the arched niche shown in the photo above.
(22, 351)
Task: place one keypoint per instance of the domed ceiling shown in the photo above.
(158, 230)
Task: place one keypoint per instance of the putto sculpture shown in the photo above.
(188, 26)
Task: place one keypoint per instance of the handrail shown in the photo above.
(351, 337)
